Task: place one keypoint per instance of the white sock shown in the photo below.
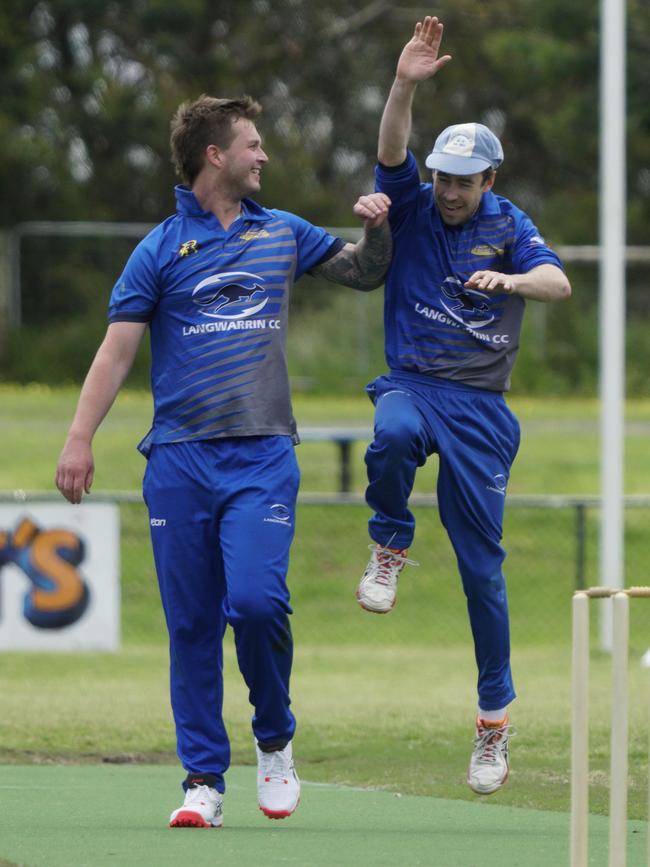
(492, 715)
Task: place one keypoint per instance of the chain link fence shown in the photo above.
(552, 544)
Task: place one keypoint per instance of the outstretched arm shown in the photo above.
(544, 283)
(418, 61)
(75, 469)
(363, 265)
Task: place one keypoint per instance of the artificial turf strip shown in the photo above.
(100, 815)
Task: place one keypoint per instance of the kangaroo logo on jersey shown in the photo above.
(229, 295)
(188, 247)
(468, 306)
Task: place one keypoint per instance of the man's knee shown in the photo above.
(485, 588)
(257, 609)
(399, 435)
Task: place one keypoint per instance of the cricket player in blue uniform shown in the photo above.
(464, 263)
(212, 283)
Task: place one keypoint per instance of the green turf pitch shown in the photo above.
(101, 815)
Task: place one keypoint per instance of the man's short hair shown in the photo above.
(205, 121)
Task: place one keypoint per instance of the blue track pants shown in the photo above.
(476, 438)
(222, 515)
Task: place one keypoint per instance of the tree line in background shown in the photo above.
(89, 89)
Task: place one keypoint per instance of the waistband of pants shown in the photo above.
(424, 379)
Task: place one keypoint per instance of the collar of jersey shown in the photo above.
(188, 205)
(489, 205)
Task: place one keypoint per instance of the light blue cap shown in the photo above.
(465, 149)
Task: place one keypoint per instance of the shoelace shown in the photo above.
(274, 767)
(488, 742)
(386, 561)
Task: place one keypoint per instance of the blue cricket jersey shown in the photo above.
(217, 306)
(433, 324)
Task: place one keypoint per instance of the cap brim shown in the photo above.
(454, 165)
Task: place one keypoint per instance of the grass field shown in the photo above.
(335, 826)
(388, 717)
(382, 702)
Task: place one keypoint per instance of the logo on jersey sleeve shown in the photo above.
(231, 295)
(468, 306)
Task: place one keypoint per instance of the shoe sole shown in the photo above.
(279, 814)
(377, 610)
(190, 819)
(489, 791)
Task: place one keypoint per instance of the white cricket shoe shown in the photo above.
(202, 808)
(489, 767)
(278, 786)
(377, 589)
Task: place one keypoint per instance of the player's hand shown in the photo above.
(419, 58)
(492, 281)
(372, 209)
(75, 470)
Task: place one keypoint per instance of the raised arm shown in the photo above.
(418, 61)
(114, 358)
(363, 265)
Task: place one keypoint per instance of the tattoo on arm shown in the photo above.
(362, 265)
